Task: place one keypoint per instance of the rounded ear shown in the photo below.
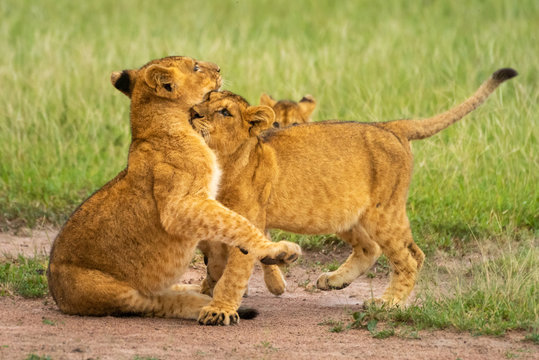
(164, 80)
(259, 118)
(267, 100)
(124, 81)
(307, 105)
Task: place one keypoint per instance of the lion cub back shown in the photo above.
(323, 161)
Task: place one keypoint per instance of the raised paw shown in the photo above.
(212, 315)
(283, 252)
(330, 281)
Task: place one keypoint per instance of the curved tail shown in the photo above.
(419, 129)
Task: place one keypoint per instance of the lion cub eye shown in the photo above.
(196, 68)
(225, 112)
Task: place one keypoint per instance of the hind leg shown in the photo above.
(273, 277)
(394, 236)
(364, 253)
(215, 258)
(80, 291)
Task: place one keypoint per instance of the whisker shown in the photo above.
(225, 83)
(205, 134)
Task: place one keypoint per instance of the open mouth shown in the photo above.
(192, 116)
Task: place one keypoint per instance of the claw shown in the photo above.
(269, 261)
(220, 317)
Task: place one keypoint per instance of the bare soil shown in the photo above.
(295, 325)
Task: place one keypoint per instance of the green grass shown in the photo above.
(497, 293)
(534, 337)
(38, 357)
(65, 129)
(308, 242)
(24, 276)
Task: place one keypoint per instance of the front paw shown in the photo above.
(212, 315)
(329, 281)
(283, 252)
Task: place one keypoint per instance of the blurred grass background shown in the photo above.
(64, 130)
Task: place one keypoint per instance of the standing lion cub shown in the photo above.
(125, 247)
(347, 178)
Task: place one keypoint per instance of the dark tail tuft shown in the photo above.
(247, 313)
(504, 74)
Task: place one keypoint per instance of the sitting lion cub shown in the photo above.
(289, 112)
(125, 247)
(338, 177)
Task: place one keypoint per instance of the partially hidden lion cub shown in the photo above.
(124, 248)
(347, 178)
(288, 112)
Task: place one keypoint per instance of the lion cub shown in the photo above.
(338, 177)
(289, 112)
(122, 249)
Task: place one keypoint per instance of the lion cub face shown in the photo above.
(225, 120)
(289, 112)
(181, 79)
(167, 86)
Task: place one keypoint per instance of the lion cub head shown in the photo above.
(289, 112)
(164, 86)
(226, 120)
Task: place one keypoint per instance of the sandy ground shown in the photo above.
(292, 326)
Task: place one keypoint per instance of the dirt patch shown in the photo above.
(289, 326)
(32, 243)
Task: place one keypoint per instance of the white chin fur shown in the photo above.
(216, 177)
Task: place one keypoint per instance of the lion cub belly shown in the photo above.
(315, 209)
